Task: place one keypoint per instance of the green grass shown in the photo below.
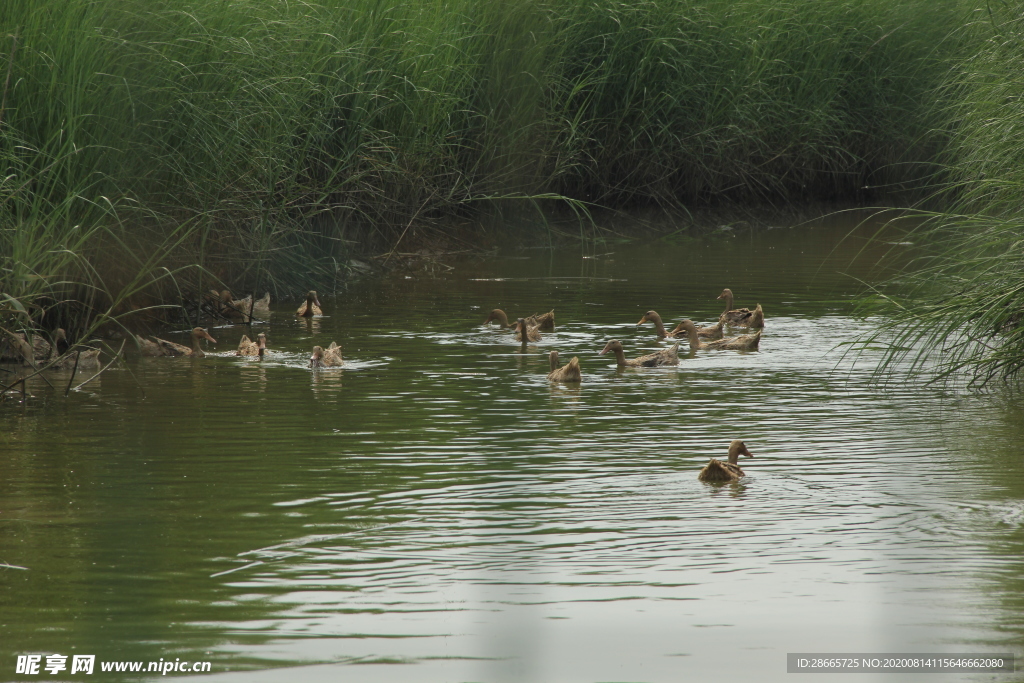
(958, 311)
(261, 143)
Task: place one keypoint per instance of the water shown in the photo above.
(437, 511)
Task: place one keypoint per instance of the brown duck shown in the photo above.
(716, 470)
(162, 347)
(669, 356)
(744, 342)
(240, 308)
(310, 307)
(246, 347)
(570, 372)
(17, 347)
(545, 322)
(714, 332)
(326, 358)
(740, 317)
(87, 359)
(525, 331)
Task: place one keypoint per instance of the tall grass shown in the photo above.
(959, 309)
(263, 141)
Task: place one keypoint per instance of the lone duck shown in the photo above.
(310, 307)
(525, 331)
(246, 347)
(669, 356)
(86, 360)
(162, 347)
(570, 372)
(545, 322)
(326, 358)
(744, 342)
(714, 332)
(740, 317)
(716, 470)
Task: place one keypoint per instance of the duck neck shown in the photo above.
(691, 332)
(660, 326)
(620, 357)
(197, 350)
(554, 361)
(728, 302)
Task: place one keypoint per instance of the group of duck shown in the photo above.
(530, 328)
(244, 310)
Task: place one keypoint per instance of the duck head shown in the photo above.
(614, 346)
(498, 315)
(737, 448)
(317, 359)
(199, 333)
(650, 315)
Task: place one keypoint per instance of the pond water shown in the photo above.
(436, 510)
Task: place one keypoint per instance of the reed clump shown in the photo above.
(958, 310)
(261, 142)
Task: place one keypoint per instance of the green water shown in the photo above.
(437, 511)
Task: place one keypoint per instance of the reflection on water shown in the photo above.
(441, 510)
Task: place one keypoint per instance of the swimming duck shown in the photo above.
(252, 348)
(714, 332)
(17, 347)
(310, 307)
(570, 372)
(532, 331)
(744, 342)
(669, 356)
(240, 308)
(711, 333)
(326, 358)
(740, 317)
(86, 360)
(545, 322)
(161, 347)
(716, 470)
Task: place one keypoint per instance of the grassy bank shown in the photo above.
(260, 143)
(959, 310)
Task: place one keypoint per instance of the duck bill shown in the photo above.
(206, 335)
(642, 321)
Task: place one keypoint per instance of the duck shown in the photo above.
(87, 359)
(245, 308)
(252, 348)
(545, 322)
(18, 347)
(570, 372)
(310, 307)
(669, 356)
(326, 358)
(716, 470)
(162, 347)
(713, 332)
(532, 332)
(740, 317)
(744, 342)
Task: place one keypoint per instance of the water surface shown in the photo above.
(437, 510)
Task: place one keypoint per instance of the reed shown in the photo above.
(262, 142)
(958, 311)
